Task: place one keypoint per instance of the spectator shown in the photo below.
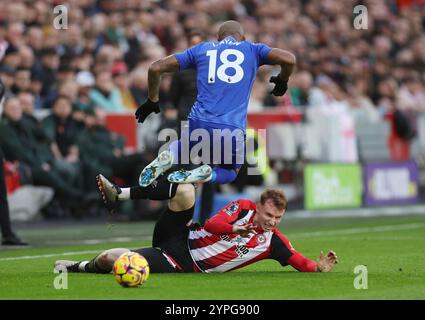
(319, 33)
(121, 81)
(47, 70)
(7, 78)
(139, 86)
(19, 144)
(34, 38)
(411, 95)
(8, 235)
(105, 94)
(376, 70)
(27, 57)
(299, 88)
(103, 151)
(22, 81)
(73, 43)
(85, 81)
(11, 57)
(62, 130)
(35, 87)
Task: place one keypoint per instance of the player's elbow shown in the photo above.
(155, 67)
(287, 58)
(291, 59)
(186, 191)
(282, 57)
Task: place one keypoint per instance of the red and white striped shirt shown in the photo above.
(214, 248)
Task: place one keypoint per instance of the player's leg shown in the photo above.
(172, 228)
(227, 171)
(102, 263)
(205, 173)
(184, 198)
(181, 204)
(170, 231)
(157, 260)
(231, 157)
(161, 190)
(166, 158)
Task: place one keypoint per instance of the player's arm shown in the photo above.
(325, 263)
(156, 69)
(283, 252)
(286, 60)
(221, 223)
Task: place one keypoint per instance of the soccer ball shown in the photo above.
(131, 269)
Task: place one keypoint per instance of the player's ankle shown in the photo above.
(124, 195)
(212, 177)
(82, 266)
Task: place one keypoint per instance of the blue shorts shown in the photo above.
(210, 143)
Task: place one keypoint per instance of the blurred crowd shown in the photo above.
(98, 64)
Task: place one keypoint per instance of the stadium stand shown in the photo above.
(340, 102)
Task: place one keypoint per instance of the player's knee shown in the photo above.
(104, 258)
(109, 256)
(186, 191)
(184, 199)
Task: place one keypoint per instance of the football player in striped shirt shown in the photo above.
(240, 234)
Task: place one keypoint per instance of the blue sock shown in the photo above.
(222, 176)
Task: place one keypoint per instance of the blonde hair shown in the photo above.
(277, 197)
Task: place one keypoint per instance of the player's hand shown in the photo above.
(243, 230)
(146, 109)
(325, 263)
(280, 87)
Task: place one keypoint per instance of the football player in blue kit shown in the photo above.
(226, 70)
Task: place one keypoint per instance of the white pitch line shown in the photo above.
(96, 241)
(393, 227)
(51, 255)
(359, 212)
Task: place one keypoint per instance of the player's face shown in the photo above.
(267, 216)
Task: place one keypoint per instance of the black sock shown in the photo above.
(158, 190)
(93, 267)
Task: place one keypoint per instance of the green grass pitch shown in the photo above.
(392, 248)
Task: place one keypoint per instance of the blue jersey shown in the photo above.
(226, 71)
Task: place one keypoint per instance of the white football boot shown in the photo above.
(69, 265)
(152, 171)
(200, 174)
